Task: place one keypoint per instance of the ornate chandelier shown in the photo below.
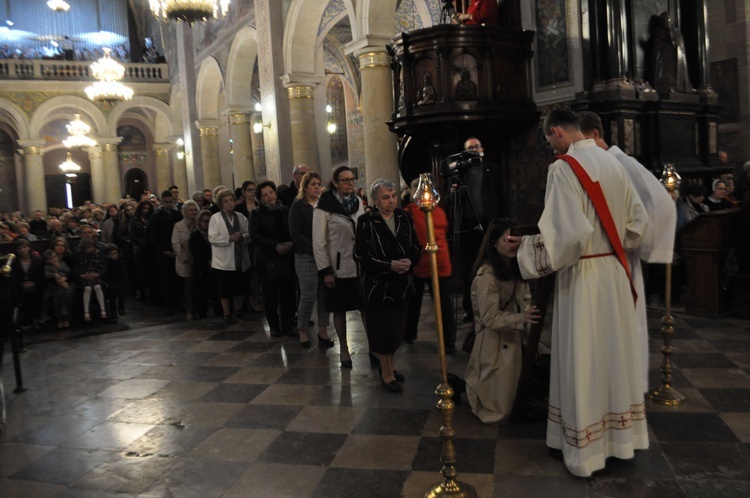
(189, 11)
(58, 5)
(78, 134)
(69, 167)
(109, 72)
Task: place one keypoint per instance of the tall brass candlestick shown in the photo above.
(665, 394)
(427, 198)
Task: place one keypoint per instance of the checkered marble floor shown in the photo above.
(154, 407)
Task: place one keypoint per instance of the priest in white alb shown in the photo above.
(596, 405)
(657, 245)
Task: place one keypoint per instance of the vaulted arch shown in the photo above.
(240, 65)
(208, 87)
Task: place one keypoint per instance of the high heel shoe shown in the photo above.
(326, 342)
(346, 363)
(396, 375)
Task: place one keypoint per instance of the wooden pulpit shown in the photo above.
(703, 246)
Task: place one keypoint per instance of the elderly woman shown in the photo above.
(274, 257)
(334, 222)
(311, 287)
(386, 249)
(229, 236)
(718, 198)
(181, 247)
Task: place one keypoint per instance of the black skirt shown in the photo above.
(344, 297)
(385, 325)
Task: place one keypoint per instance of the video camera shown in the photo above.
(456, 165)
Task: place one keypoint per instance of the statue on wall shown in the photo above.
(426, 94)
(465, 88)
(669, 66)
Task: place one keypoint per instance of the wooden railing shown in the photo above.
(43, 69)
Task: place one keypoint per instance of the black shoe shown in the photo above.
(310, 323)
(467, 318)
(392, 386)
(291, 332)
(396, 375)
(304, 344)
(346, 364)
(326, 342)
(230, 319)
(276, 333)
(239, 315)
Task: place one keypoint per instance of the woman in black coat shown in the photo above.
(386, 249)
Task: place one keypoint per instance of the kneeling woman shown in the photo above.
(502, 309)
(387, 249)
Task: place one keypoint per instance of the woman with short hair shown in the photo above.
(386, 249)
(180, 245)
(274, 257)
(228, 235)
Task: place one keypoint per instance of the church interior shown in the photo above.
(154, 406)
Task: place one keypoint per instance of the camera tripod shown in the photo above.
(471, 238)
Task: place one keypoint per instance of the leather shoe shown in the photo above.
(346, 364)
(276, 333)
(396, 375)
(392, 386)
(325, 342)
(304, 344)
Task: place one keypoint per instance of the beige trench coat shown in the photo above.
(495, 362)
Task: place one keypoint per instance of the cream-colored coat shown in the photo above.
(495, 362)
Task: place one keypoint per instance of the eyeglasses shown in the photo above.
(345, 180)
(474, 147)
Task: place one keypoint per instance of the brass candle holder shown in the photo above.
(427, 198)
(665, 394)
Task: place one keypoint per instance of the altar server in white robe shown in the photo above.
(596, 406)
(657, 245)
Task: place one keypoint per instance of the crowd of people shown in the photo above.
(338, 248)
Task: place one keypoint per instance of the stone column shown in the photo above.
(302, 123)
(187, 74)
(242, 147)
(163, 170)
(98, 176)
(269, 22)
(36, 192)
(381, 158)
(209, 132)
(259, 151)
(113, 189)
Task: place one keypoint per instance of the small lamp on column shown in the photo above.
(427, 198)
(665, 394)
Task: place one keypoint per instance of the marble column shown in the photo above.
(269, 22)
(36, 192)
(302, 123)
(163, 170)
(242, 147)
(209, 132)
(381, 158)
(187, 76)
(113, 189)
(98, 175)
(259, 151)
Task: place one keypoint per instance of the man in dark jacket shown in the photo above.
(160, 233)
(287, 194)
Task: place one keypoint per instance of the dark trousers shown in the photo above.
(280, 301)
(446, 305)
(205, 292)
(114, 293)
(171, 285)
